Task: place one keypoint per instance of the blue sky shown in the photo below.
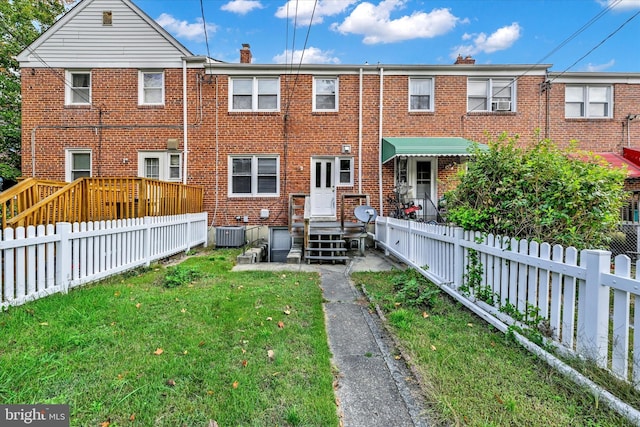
(558, 32)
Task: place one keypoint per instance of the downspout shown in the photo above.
(360, 136)
(380, 140)
(184, 121)
(33, 151)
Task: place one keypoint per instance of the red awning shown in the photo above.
(618, 161)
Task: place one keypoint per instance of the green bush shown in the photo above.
(180, 275)
(414, 290)
(539, 193)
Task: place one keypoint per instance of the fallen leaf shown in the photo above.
(281, 324)
(244, 363)
(158, 351)
(397, 304)
(500, 401)
(425, 314)
(171, 383)
(235, 384)
(397, 357)
(210, 392)
(213, 423)
(116, 294)
(185, 352)
(470, 325)
(201, 343)
(269, 319)
(243, 351)
(105, 424)
(433, 347)
(132, 417)
(184, 310)
(138, 305)
(284, 276)
(44, 324)
(287, 312)
(270, 354)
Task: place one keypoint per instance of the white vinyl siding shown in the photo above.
(588, 101)
(420, 94)
(325, 94)
(78, 87)
(77, 164)
(254, 176)
(131, 41)
(254, 94)
(151, 88)
(489, 94)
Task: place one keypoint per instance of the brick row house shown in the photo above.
(107, 92)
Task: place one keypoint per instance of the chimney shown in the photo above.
(466, 60)
(245, 54)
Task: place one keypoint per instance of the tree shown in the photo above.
(21, 22)
(539, 193)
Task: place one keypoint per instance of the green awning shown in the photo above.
(428, 147)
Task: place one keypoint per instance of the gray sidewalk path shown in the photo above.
(373, 388)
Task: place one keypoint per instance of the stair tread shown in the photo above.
(326, 249)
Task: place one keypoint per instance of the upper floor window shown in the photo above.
(491, 95)
(78, 164)
(78, 88)
(151, 88)
(420, 94)
(325, 94)
(162, 165)
(254, 176)
(254, 94)
(588, 101)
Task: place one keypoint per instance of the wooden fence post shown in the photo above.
(458, 258)
(63, 256)
(593, 328)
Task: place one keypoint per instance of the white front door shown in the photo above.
(323, 188)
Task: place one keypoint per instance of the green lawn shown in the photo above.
(242, 349)
(472, 374)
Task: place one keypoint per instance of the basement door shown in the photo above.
(323, 188)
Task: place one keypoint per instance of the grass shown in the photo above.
(473, 375)
(166, 347)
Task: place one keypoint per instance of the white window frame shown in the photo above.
(142, 90)
(588, 101)
(430, 108)
(317, 93)
(255, 95)
(69, 170)
(494, 101)
(339, 182)
(164, 164)
(254, 175)
(70, 89)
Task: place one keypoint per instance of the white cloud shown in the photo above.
(241, 7)
(302, 11)
(183, 29)
(377, 26)
(621, 4)
(600, 67)
(312, 55)
(502, 39)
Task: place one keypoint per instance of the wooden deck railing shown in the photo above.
(24, 195)
(97, 199)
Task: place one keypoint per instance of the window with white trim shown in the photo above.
(78, 88)
(162, 165)
(325, 94)
(253, 176)
(345, 171)
(254, 94)
(78, 164)
(588, 101)
(493, 94)
(420, 94)
(151, 88)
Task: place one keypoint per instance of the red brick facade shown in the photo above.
(115, 128)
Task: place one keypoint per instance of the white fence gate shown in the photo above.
(40, 261)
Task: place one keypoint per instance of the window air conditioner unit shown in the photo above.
(503, 106)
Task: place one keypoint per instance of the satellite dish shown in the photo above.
(365, 213)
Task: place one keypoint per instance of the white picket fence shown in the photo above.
(43, 260)
(588, 308)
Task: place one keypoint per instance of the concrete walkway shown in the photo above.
(373, 387)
